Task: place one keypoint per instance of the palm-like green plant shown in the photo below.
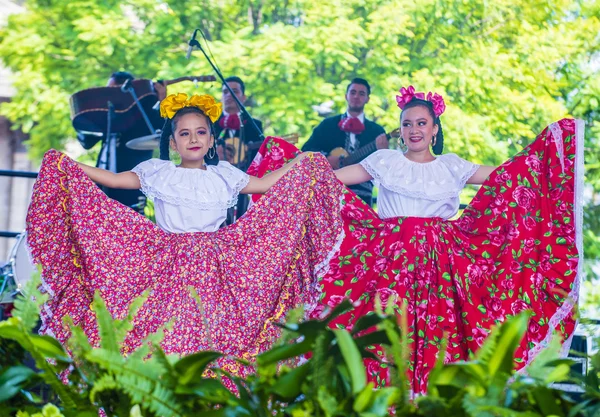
(102, 377)
(312, 371)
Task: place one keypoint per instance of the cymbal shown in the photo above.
(144, 143)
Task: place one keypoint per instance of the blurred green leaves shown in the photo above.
(507, 68)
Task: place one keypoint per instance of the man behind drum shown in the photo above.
(126, 158)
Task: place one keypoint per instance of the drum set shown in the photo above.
(115, 109)
(15, 274)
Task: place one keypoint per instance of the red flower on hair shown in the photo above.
(407, 94)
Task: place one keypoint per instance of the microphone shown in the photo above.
(125, 86)
(191, 45)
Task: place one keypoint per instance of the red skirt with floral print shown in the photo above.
(246, 276)
(517, 246)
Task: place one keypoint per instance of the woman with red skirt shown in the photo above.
(516, 247)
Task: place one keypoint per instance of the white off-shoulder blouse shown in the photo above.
(414, 189)
(187, 199)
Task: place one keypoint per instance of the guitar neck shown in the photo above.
(202, 78)
(366, 150)
(359, 154)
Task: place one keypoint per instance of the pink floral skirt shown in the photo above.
(246, 276)
(517, 246)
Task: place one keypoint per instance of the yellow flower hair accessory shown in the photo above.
(175, 102)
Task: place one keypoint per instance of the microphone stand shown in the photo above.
(128, 88)
(193, 42)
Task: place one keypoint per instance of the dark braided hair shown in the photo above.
(171, 125)
(439, 137)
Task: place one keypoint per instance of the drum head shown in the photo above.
(22, 267)
(145, 143)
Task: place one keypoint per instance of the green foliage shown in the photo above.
(507, 68)
(102, 376)
(329, 383)
(49, 356)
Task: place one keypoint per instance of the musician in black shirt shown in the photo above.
(351, 131)
(237, 136)
(238, 139)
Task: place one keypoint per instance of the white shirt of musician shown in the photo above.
(187, 199)
(353, 142)
(414, 189)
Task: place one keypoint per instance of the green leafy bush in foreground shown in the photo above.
(330, 383)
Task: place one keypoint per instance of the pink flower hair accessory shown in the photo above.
(439, 106)
(407, 94)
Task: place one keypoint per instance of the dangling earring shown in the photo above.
(214, 151)
(433, 142)
(403, 146)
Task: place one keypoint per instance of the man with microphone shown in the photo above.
(238, 136)
(238, 139)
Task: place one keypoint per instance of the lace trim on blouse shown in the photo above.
(217, 187)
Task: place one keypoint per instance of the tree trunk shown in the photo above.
(255, 12)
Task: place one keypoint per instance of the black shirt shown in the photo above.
(327, 136)
(248, 135)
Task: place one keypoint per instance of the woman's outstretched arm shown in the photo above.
(481, 175)
(262, 185)
(125, 180)
(353, 174)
